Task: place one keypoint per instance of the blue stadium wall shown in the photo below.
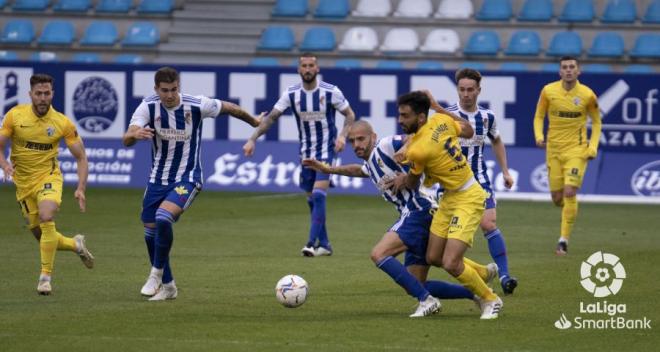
(101, 98)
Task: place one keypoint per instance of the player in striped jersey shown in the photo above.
(313, 102)
(173, 123)
(468, 83)
(411, 231)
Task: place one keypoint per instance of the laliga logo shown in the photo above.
(646, 180)
(95, 104)
(602, 274)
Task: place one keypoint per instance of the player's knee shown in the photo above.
(488, 225)
(164, 217)
(46, 216)
(451, 265)
(570, 192)
(377, 255)
(434, 260)
(558, 198)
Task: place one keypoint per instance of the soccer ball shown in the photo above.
(291, 291)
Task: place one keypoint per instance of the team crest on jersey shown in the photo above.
(188, 117)
(380, 163)
(576, 101)
(180, 190)
(50, 131)
(321, 100)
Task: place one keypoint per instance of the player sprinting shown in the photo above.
(411, 230)
(567, 103)
(484, 123)
(35, 131)
(173, 123)
(313, 103)
(434, 151)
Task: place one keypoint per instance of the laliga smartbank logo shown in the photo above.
(602, 275)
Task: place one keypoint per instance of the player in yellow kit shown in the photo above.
(434, 151)
(35, 131)
(567, 103)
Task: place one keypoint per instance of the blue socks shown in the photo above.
(497, 250)
(163, 241)
(401, 276)
(317, 229)
(445, 290)
(150, 240)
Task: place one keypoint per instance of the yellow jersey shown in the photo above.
(567, 114)
(35, 141)
(435, 151)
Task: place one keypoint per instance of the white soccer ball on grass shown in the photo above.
(291, 291)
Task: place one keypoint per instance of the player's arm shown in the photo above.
(435, 106)
(349, 118)
(248, 147)
(596, 128)
(78, 151)
(539, 116)
(237, 112)
(409, 180)
(354, 170)
(136, 133)
(466, 130)
(6, 166)
(500, 156)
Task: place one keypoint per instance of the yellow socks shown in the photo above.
(65, 243)
(471, 280)
(568, 215)
(480, 269)
(48, 246)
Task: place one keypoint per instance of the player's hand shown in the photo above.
(397, 183)
(340, 142)
(82, 201)
(591, 153)
(258, 119)
(508, 180)
(9, 172)
(434, 103)
(400, 155)
(248, 148)
(540, 143)
(316, 165)
(144, 133)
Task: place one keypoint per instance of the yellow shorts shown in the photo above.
(459, 214)
(567, 168)
(49, 188)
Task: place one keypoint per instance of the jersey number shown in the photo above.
(453, 151)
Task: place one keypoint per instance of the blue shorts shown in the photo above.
(309, 176)
(181, 194)
(490, 201)
(413, 230)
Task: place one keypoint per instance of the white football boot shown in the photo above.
(43, 287)
(490, 309)
(153, 284)
(167, 291)
(84, 253)
(430, 305)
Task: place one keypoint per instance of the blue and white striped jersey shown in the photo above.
(483, 122)
(178, 134)
(381, 168)
(315, 117)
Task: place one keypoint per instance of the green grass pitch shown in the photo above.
(231, 248)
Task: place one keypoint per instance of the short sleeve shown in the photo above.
(338, 100)
(365, 169)
(7, 127)
(141, 116)
(416, 161)
(210, 107)
(71, 136)
(283, 103)
(457, 127)
(493, 132)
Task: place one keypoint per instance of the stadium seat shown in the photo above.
(6, 55)
(115, 6)
(276, 38)
(526, 43)
(389, 65)
(495, 10)
(550, 67)
(565, 43)
(336, 9)
(441, 41)
(132, 59)
(400, 40)
(30, 5)
(57, 32)
(44, 56)
(577, 11)
(102, 33)
(318, 39)
(619, 11)
(88, 58)
(18, 32)
(483, 43)
(290, 8)
(607, 44)
(155, 6)
(597, 68)
(536, 11)
(639, 69)
(372, 8)
(359, 39)
(646, 46)
(348, 63)
(72, 6)
(513, 66)
(652, 14)
(141, 33)
(264, 62)
(414, 9)
(479, 66)
(454, 9)
(430, 65)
